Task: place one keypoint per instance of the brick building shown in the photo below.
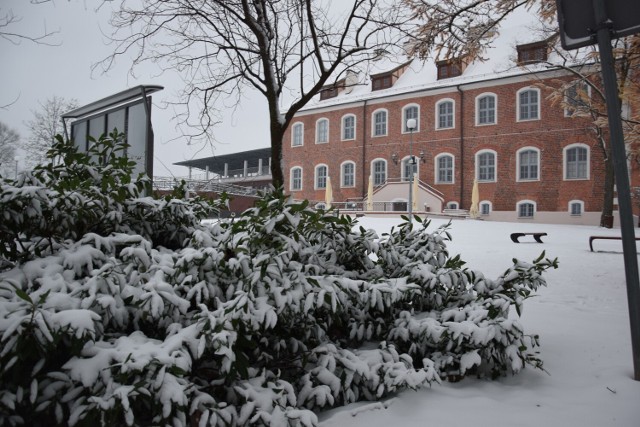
(490, 121)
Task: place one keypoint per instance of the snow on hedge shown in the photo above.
(121, 309)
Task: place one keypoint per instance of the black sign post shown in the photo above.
(581, 25)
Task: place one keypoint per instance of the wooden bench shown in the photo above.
(536, 236)
(592, 238)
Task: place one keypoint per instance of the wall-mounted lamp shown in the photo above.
(422, 159)
(394, 158)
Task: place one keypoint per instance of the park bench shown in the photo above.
(536, 236)
(592, 238)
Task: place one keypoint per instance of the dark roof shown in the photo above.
(235, 160)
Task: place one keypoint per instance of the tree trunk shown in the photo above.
(606, 219)
(277, 134)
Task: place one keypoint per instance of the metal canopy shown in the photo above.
(234, 161)
(119, 98)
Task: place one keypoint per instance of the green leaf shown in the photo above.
(23, 295)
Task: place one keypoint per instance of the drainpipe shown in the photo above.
(462, 205)
(364, 148)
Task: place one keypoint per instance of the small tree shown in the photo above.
(45, 125)
(284, 49)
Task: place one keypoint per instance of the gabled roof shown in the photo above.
(520, 28)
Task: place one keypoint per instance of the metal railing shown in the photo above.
(213, 185)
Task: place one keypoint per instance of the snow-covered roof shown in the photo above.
(500, 61)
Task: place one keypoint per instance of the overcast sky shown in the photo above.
(32, 73)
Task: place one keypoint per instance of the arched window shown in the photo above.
(445, 114)
(526, 209)
(528, 104)
(380, 123)
(348, 127)
(379, 171)
(444, 168)
(297, 134)
(322, 171)
(411, 111)
(486, 109)
(409, 163)
(576, 161)
(528, 160)
(486, 166)
(576, 97)
(295, 180)
(348, 174)
(322, 131)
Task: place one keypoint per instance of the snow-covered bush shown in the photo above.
(118, 309)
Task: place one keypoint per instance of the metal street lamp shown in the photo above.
(17, 159)
(411, 125)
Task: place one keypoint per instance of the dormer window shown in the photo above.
(387, 79)
(381, 82)
(450, 68)
(533, 52)
(329, 92)
(332, 90)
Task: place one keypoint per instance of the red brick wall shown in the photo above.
(550, 134)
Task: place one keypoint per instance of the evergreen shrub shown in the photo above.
(120, 309)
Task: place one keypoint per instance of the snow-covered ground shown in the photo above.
(582, 318)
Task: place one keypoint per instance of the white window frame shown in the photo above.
(292, 178)
(522, 202)
(293, 134)
(343, 175)
(519, 177)
(570, 207)
(386, 122)
(326, 133)
(488, 203)
(342, 128)
(518, 115)
(436, 168)
(403, 125)
(567, 112)
(315, 176)
(453, 113)
(495, 165)
(495, 108)
(373, 171)
(564, 162)
(403, 171)
(451, 203)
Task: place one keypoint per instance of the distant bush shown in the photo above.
(121, 309)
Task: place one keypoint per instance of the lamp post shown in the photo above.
(17, 159)
(411, 125)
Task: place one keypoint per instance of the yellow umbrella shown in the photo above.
(370, 194)
(475, 199)
(328, 195)
(414, 196)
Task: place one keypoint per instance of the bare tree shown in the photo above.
(460, 28)
(9, 139)
(281, 48)
(45, 125)
(8, 20)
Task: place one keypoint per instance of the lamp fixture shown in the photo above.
(422, 159)
(394, 157)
